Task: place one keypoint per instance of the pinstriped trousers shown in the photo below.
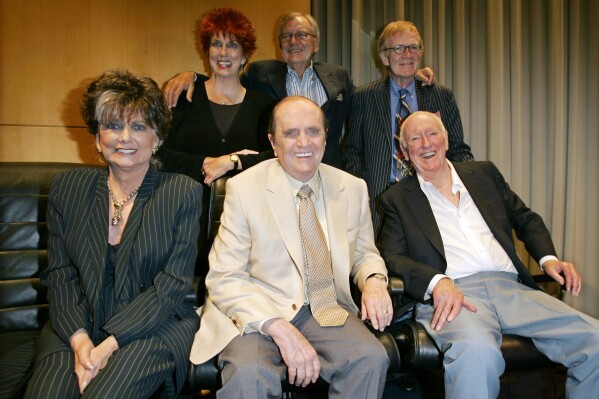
(134, 371)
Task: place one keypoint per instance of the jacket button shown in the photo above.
(178, 317)
(294, 306)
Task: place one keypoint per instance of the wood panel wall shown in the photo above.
(50, 50)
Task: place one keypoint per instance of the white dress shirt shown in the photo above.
(469, 244)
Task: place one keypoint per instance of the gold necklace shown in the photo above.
(116, 218)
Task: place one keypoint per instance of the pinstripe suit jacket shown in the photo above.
(411, 240)
(154, 265)
(270, 77)
(368, 149)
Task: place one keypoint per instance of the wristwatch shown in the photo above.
(380, 276)
(235, 159)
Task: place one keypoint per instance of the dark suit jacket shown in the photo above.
(154, 265)
(368, 148)
(411, 241)
(270, 76)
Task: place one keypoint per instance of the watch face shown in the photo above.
(234, 158)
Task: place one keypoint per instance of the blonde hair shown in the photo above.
(398, 27)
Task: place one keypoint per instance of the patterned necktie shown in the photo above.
(402, 112)
(317, 262)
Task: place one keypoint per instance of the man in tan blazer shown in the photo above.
(258, 311)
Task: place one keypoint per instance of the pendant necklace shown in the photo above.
(118, 205)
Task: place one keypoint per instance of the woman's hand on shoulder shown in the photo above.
(174, 87)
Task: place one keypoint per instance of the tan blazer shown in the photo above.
(256, 262)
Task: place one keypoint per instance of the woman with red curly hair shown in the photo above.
(211, 135)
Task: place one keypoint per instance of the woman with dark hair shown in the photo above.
(212, 135)
(121, 252)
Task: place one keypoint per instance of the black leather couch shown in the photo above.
(24, 309)
(23, 256)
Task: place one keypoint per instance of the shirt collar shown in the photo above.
(314, 183)
(395, 88)
(456, 182)
(291, 71)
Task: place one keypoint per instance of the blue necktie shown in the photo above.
(403, 109)
(402, 112)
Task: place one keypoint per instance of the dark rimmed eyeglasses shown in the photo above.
(401, 48)
(300, 35)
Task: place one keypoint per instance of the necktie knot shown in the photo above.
(304, 192)
(403, 93)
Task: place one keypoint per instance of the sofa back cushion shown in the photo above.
(23, 237)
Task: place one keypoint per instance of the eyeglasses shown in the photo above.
(401, 48)
(300, 35)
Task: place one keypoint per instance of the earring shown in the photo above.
(100, 155)
(154, 150)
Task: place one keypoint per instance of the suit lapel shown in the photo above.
(281, 202)
(278, 81)
(423, 214)
(132, 229)
(95, 242)
(329, 84)
(336, 208)
(423, 100)
(479, 193)
(382, 109)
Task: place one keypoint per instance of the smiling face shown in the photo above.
(424, 142)
(402, 67)
(298, 52)
(299, 137)
(225, 55)
(127, 144)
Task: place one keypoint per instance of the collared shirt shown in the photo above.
(469, 244)
(317, 197)
(308, 86)
(412, 102)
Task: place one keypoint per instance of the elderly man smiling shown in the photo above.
(379, 107)
(293, 233)
(448, 233)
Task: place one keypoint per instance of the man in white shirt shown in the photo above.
(260, 309)
(448, 233)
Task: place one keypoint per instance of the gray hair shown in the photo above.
(293, 14)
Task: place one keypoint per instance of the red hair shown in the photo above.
(230, 22)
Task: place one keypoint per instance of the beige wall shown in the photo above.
(50, 50)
